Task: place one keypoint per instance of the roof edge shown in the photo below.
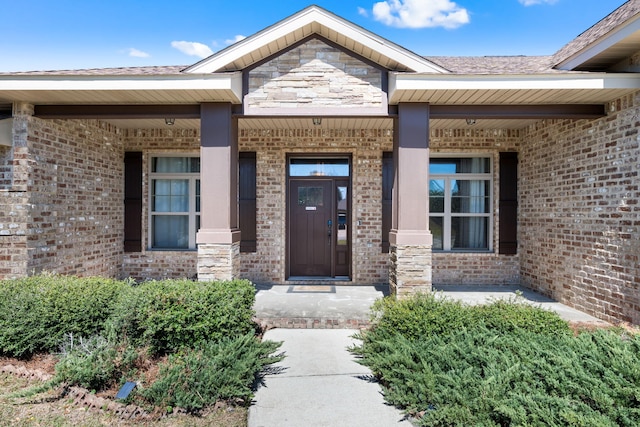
(308, 16)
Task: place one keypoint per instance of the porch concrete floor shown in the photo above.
(320, 305)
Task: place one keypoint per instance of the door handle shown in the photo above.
(329, 226)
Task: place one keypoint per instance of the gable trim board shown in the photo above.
(312, 20)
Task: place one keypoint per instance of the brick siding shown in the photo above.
(580, 217)
(62, 198)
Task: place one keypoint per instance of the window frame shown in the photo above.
(448, 215)
(192, 214)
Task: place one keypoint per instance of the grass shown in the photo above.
(48, 410)
(505, 363)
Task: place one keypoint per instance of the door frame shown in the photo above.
(336, 180)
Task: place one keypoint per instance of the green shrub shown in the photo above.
(428, 314)
(93, 363)
(510, 315)
(501, 364)
(222, 370)
(37, 312)
(168, 315)
(418, 316)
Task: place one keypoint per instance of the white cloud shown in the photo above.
(236, 39)
(534, 2)
(193, 48)
(362, 11)
(137, 53)
(420, 13)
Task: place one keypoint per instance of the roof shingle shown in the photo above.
(600, 29)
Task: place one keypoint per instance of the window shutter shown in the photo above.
(133, 201)
(508, 218)
(247, 201)
(387, 195)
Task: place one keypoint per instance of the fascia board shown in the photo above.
(599, 46)
(228, 82)
(402, 82)
(308, 17)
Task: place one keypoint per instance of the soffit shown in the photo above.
(310, 21)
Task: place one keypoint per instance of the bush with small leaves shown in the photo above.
(216, 370)
(36, 313)
(501, 364)
(166, 316)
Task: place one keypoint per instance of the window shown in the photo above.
(319, 167)
(175, 202)
(460, 203)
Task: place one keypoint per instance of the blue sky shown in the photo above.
(72, 34)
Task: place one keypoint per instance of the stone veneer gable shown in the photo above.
(315, 75)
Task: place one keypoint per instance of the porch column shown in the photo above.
(410, 239)
(219, 237)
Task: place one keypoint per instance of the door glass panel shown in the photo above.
(319, 167)
(436, 228)
(310, 196)
(342, 215)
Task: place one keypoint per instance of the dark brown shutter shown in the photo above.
(387, 192)
(247, 201)
(508, 218)
(133, 201)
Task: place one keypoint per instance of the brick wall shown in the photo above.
(580, 217)
(476, 268)
(64, 203)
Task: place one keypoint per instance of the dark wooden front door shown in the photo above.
(311, 224)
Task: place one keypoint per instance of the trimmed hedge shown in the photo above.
(36, 313)
(168, 315)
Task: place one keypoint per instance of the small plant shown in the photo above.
(222, 370)
(93, 363)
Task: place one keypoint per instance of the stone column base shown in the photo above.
(218, 261)
(410, 269)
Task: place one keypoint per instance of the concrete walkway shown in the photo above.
(319, 382)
